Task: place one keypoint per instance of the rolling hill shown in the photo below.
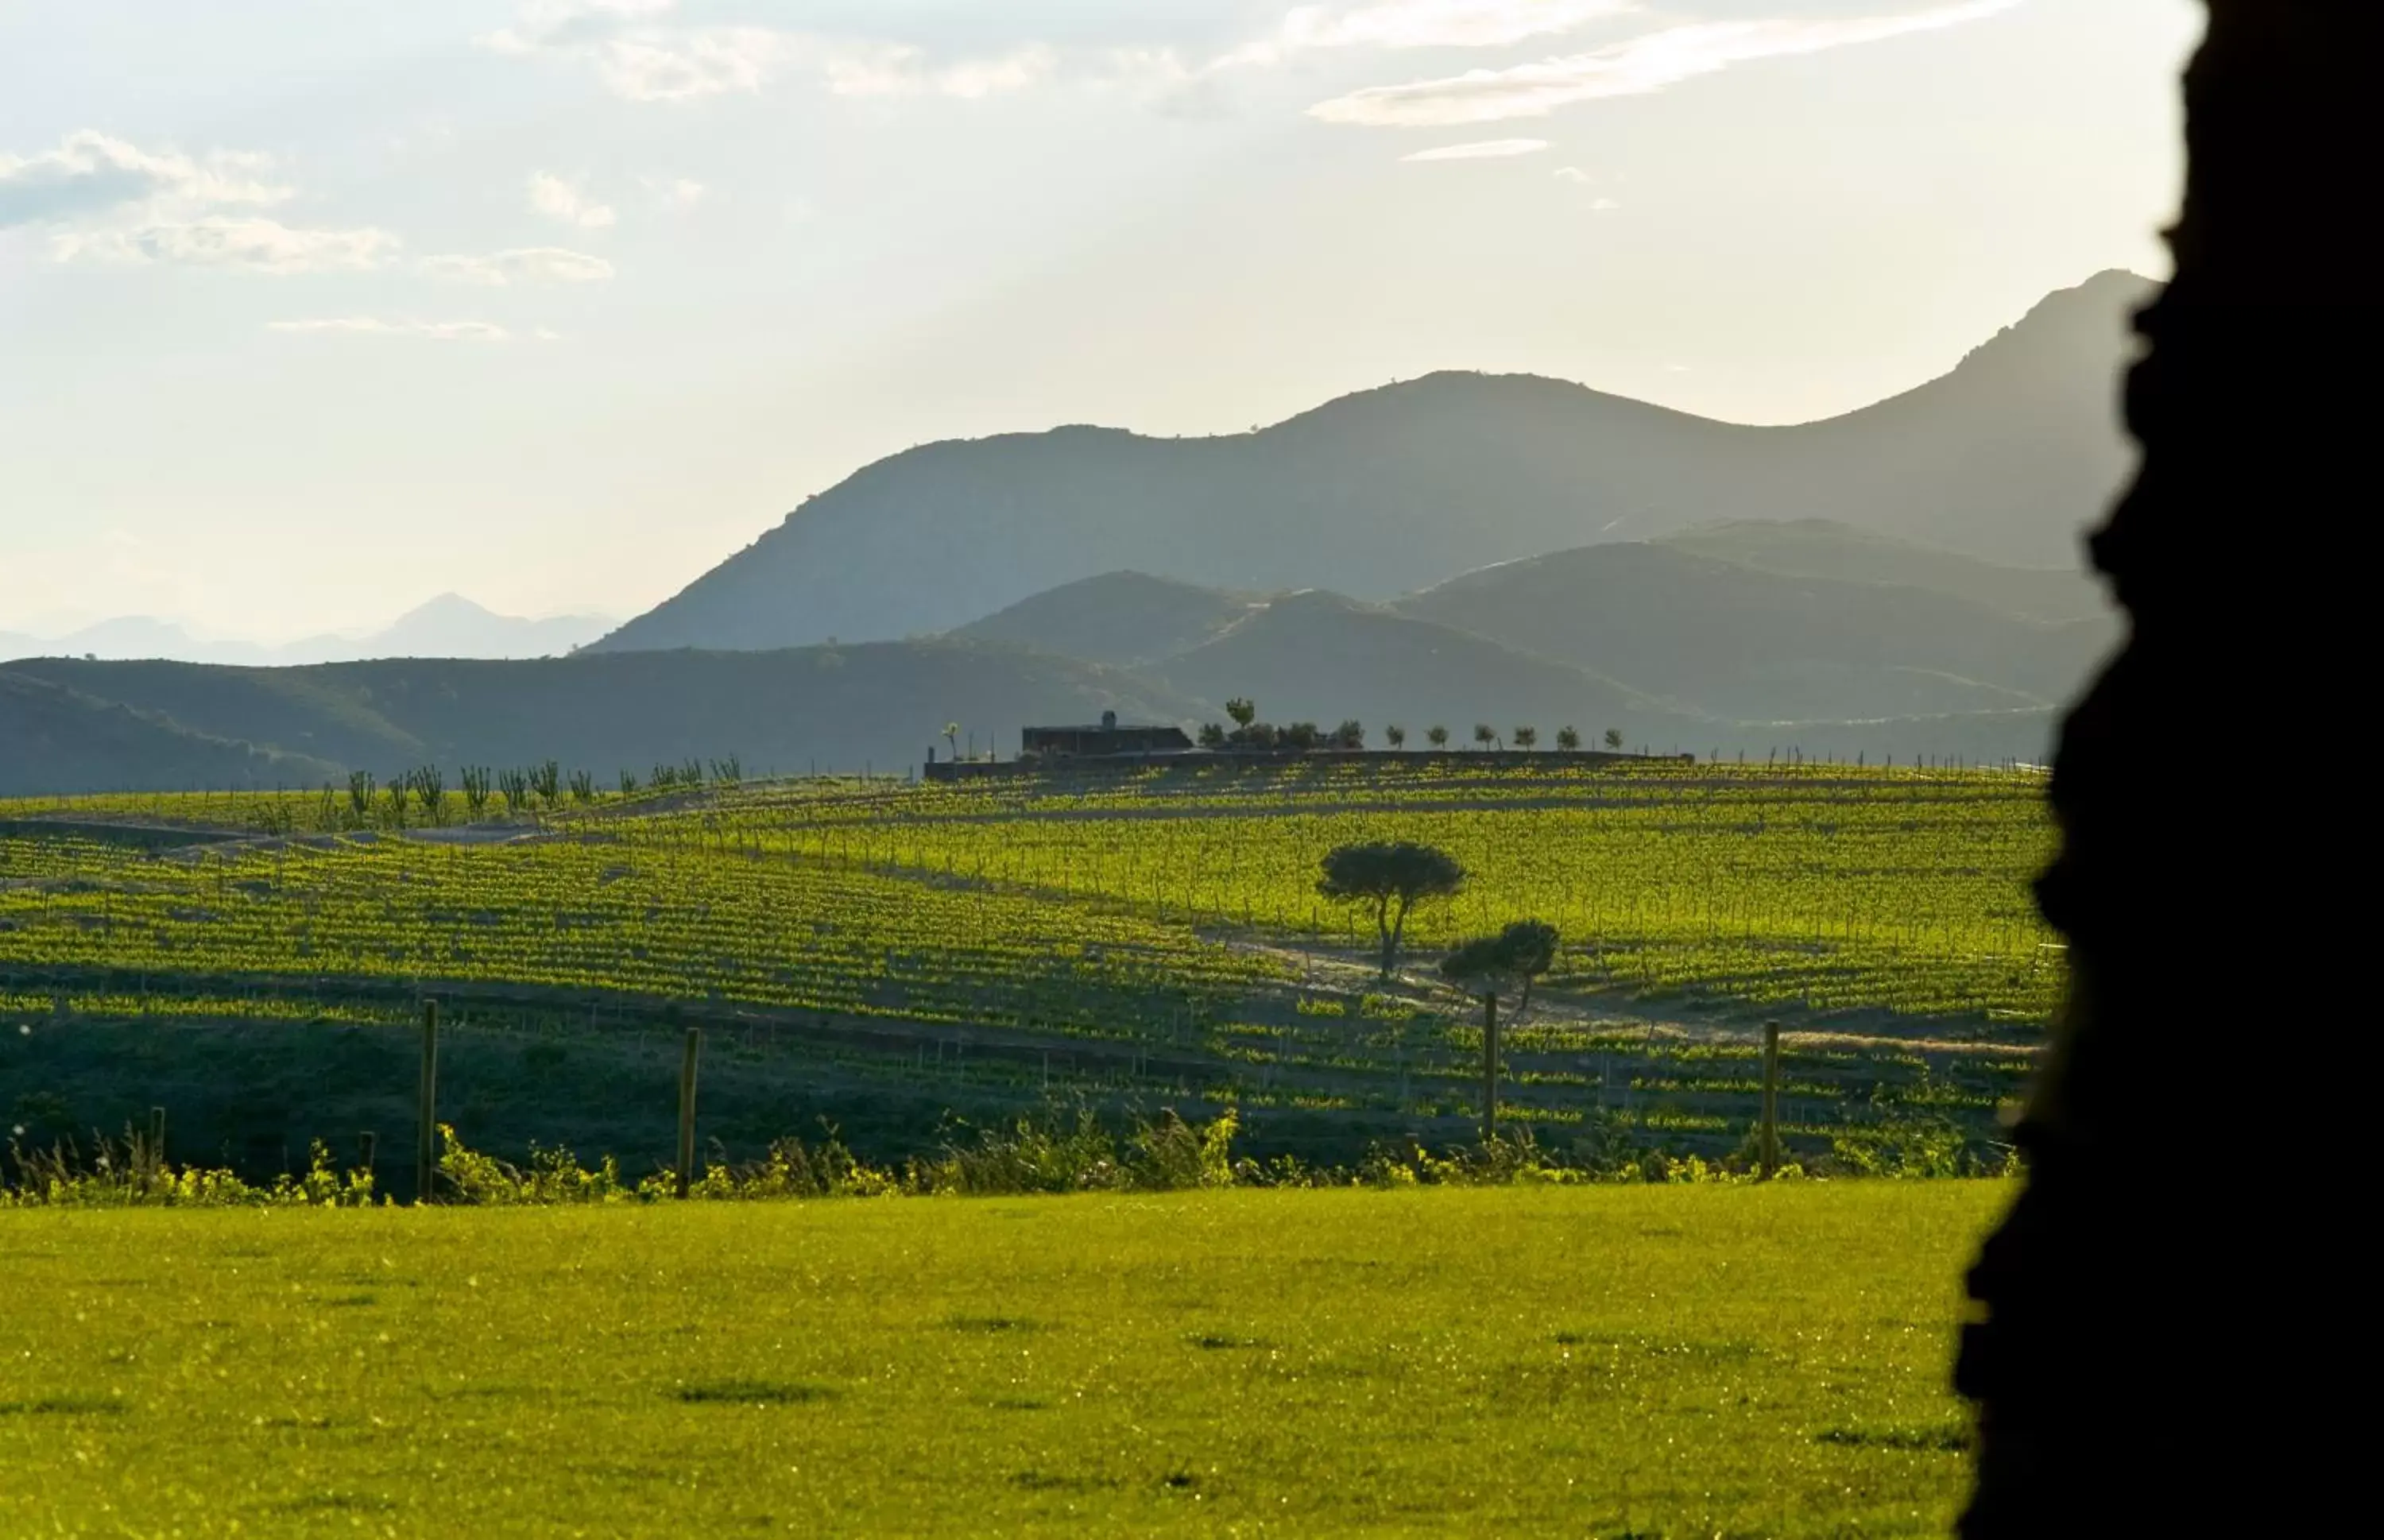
(1745, 644)
(841, 708)
(1121, 618)
(1824, 548)
(1732, 623)
(56, 740)
(2007, 457)
(1320, 657)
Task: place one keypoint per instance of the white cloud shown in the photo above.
(102, 199)
(1437, 23)
(681, 67)
(676, 194)
(1481, 149)
(898, 69)
(638, 54)
(524, 265)
(1401, 24)
(567, 202)
(639, 58)
(1634, 68)
(1573, 176)
(973, 79)
(373, 326)
(568, 23)
(91, 173)
(256, 245)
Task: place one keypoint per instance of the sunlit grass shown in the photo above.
(1611, 1361)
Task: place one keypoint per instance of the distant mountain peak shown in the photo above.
(448, 624)
(2122, 278)
(447, 604)
(2079, 314)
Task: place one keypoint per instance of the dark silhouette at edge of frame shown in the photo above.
(2154, 1314)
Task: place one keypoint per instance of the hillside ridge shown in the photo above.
(2007, 457)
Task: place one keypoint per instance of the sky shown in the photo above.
(310, 311)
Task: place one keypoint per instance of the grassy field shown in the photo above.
(882, 954)
(1610, 1361)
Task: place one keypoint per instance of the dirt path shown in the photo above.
(1674, 1018)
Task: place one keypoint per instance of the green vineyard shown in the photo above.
(1135, 941)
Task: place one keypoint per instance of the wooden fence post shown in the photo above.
(425, 1150)
(1770, 1136)
(1489, 1068)
(157, 1135)
(687, 1109)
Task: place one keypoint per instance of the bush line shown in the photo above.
(1045, 1154)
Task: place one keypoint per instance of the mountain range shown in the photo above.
(1464, 548)
(1717, 640)
(448, 626)
(2005, 458)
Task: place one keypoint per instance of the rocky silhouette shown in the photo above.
(2137, 1363)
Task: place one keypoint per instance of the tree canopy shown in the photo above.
(1393, 877)
(1488, 968)
(1503, 964)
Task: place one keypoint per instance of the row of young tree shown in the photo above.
(421, 795)
(1248, 732)
(1393, 878)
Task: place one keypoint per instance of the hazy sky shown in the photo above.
(308, 311)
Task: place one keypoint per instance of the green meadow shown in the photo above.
(1612, 1361)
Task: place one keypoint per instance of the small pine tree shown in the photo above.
(1501, 965)
(1393, 878)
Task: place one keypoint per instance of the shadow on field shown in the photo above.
(252, 1097)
